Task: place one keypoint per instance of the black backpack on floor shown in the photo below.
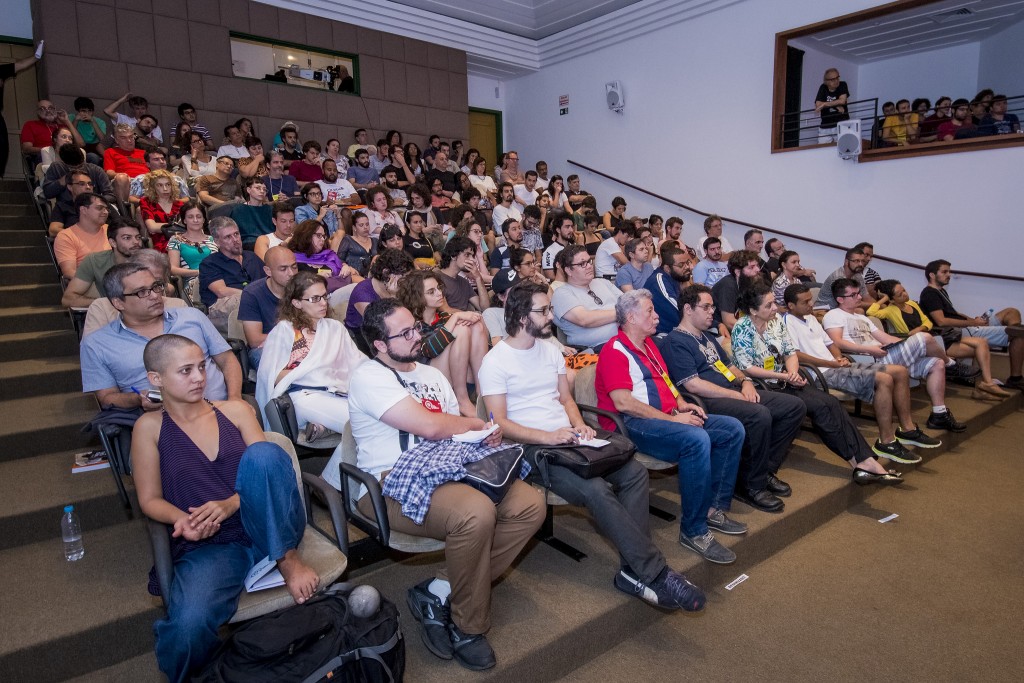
(319, 640)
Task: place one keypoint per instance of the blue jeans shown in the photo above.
(707, 457)
(208, 580)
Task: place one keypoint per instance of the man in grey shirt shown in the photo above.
(852, 268)
(584, 306)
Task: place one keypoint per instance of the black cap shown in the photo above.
(504, 279)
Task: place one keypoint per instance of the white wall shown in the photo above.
(1001, 57)
(482, 93)
(682, 137)
(952, 71)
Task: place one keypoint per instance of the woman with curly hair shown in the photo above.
(378, 210)
(160, 203)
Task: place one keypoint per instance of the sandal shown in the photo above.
(314, 432)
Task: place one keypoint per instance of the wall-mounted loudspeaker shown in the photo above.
(848, 142)
(613, 94)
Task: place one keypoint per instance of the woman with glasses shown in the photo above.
(317, 210)
(762, 348)
(186, 250)
(472, 229)
(309, 356)
(314, 253)
(524, 263)
(197, 161)
(453, 341)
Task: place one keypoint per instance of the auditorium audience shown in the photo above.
(124, 240)
(87, 235)
(225, 273)
(282, 217)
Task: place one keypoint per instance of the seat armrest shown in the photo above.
(693, 398)
(813, 375)
(160, 542)
(335, 506)
(620, 426)
(379, 527)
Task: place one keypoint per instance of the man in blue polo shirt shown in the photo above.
(257, 307)
(664, 285)
(112, 355)
(225, 273)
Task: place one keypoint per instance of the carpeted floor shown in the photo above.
(934, 595)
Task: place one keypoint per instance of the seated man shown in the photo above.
(279, 184)
(225, 273)
(499, 257)
(525, 387)
(584, 306)
(853, 269)
(712, 228)
(753, 240)
(853, 332)
(505, 209)
(307, 169)
(871, 276)
(125, 240)
(226, 517)
(156, 160)
(396, 398)
(235, 145)
(884, 386)
(112, 356)
(361, 175)
(638, 270)
(665, 284)
(563, 235)
(459, 256)
(632, 381)
(59, 185)
(258, 304)
(86, 236)
(743, 268)
(712, 267)
(139, 107)
(220, 187)
(64, 216)
(695, 360)
(37, 133)
(101, 312)
(123, 161)
(609, 257)
(936, 304)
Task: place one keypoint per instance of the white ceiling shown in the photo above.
(533, 19)
(932, 27)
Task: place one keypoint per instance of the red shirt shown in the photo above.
(39, 133)
(622, 365)
(305, 173)
(131, 163)
(153, 210)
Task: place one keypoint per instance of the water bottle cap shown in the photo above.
(69, 508)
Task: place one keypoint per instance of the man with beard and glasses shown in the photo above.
(395, 402)
(664, 286)
(525, 388)
(852, 269)
(744, 266)
(125, 240)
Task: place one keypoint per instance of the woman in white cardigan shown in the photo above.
(309, 356)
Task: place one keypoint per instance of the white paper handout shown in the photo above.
(263, 575)
(595, 443)
(476, 435)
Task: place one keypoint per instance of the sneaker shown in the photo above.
(670, 590)
(719, 522)
(707, 547)
(472, 652)
(895, 451)
(434, 617)
(945, 421)
(1014, 383)
(962, 371)
(915, 437)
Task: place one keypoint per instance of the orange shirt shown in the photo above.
(74, 244)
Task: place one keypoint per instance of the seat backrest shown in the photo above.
(280, 413)
(338, 302)
(289, 448)
(235, 330)
(349, 455)
(584, 391)
(221, 210)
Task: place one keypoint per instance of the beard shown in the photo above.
(412, 357)
(539, 331)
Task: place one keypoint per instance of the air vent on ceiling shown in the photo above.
(951, 15)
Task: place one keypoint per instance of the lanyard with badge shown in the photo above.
(709, 351)
(660, 370)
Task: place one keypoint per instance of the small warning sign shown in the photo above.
(563, 100)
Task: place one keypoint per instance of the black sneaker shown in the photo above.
(915, 437)
(434, 617)
(895, 451)
(945, 421)
(962, 371)
(472, 652)
(670, 590)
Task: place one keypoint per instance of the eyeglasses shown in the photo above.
(580, 264)
(51, 108)
(710, 308)
(320, 235)
(407, 334)
(544, 310)
(156, 288)
(595, 297)
(315, 299)
(854, 295)
(83, 183)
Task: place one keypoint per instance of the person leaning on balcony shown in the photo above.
(830, 103)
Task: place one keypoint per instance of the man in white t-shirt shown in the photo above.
(336, 190)
(712, 228)
(563, 236)
(525, 388)
(526, 194)
(924, 357)
(394, 401)
(235, 146)
(506, 209)
(609, 255)
(584, 306)
(887, 387)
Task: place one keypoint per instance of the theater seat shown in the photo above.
(280, 412)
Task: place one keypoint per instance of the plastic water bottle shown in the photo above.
(71, 531)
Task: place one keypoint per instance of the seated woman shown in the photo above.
(391, 238)
(160, 203)
(198, 161)
(309, 242)
(378, 209)
(616, 217)
(524, 263)
(61, 136)
(453, 341)
(385, 272)
(317, 210)
(231, 496)
(186, 250)
(358, 249)
(179, 147)
(895, 306)
(416, 244)
(309, 356)
(761, 348)
(473, 230)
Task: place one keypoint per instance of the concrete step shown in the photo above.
(29, 221)
(35, 490)
(13, 185)
(20, 196)
(45, 424)
(24, 237)
(43, 273)
(33, 318)
(29, 253)
(39, 377)
(16, 210)
(13, 296)
(25, 345)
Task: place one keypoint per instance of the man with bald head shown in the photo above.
(257, 308)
